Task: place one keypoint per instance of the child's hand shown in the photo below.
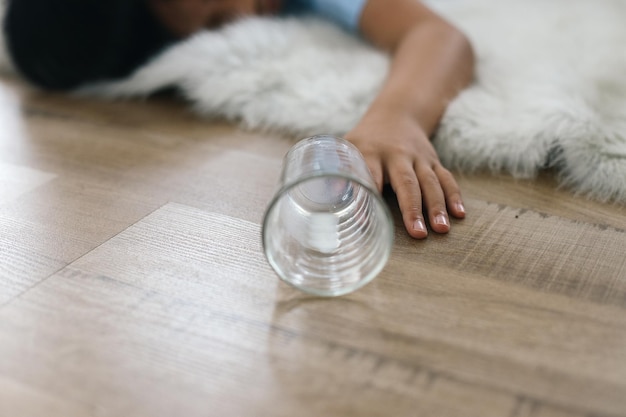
(398, 152)
(431, 62)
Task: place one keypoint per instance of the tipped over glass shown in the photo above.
(327, 231)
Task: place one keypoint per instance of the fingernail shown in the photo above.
(460, 207)
(419, 225)
(441, 219)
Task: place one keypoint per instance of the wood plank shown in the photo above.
(132, 283)
(109, 175)
(16, 180)
(19, 400)
(542, 194)
(181, 314)
(535, 249)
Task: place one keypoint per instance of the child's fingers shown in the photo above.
(452, 192)
(404, 182)
(434, 198)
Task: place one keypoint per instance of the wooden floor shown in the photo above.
(132, 283)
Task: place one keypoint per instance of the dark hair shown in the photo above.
(63, 44)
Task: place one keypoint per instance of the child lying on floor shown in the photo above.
(63, 44)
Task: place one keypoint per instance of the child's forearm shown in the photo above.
(432, 63)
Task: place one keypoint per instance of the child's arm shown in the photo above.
(431, 62)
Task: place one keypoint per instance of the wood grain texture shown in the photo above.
(132, 282)
(534, 249)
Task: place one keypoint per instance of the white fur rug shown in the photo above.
(550, 90)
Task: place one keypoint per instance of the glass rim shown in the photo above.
(303, 142)
(380, 201)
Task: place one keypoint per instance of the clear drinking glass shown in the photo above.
(327, 230)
